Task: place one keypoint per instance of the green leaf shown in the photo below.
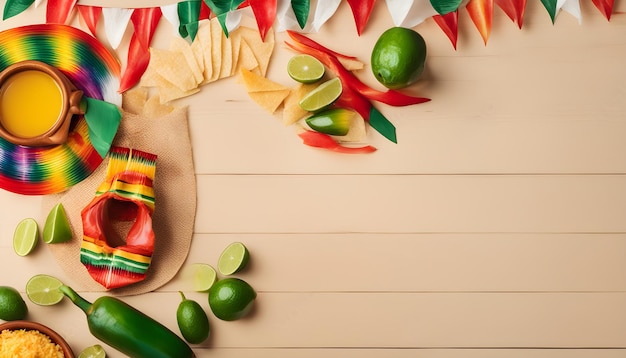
(445, 6)
(379, 122)
(550, 5)
(221, 8)
(301, 10)
(14, 7)
(188, 14)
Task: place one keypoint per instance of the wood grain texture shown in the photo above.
(494, 228)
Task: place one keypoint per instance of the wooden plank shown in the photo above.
(397, 204)
(395, 320)
(422, 262)
(409, 353)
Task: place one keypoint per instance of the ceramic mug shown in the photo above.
(37, 103)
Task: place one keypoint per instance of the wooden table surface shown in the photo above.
(495, 227)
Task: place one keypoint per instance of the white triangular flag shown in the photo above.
(170, 13)
(115, 24)
(324, 10)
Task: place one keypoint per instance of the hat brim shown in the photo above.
(91, 68)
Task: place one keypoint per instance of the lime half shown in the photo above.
(322, 96)
(95, 351)
(25, 237)
(44, 290)
(234, 258)
(57, 227)
(305, 69)
(202, 276)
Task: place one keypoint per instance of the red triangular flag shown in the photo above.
(264, 13)
(91, 15)
(58, 11)
(514, 9)
(361, 10)
(449, 23)
(481, 13)
(605, 7)
(145, 21)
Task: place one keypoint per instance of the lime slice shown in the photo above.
(44, 290)
(203, 276)
(234, 258)
(305, 69)
(322, 96)
(57, 227)
(95, 351)
(25, 237)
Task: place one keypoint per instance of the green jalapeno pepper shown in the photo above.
(128, 330)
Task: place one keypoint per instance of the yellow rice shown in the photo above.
(22, 343)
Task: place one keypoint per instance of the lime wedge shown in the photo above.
(57, 227)
(233, 259)
(202, 277)
(44, 290)
(322, 96)
(25, 237)
(305, 69)
(95, 351)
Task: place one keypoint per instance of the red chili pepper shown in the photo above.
(91, 15)
(145, 21)
(350, 98)
(449, 23)
(264, 13)
(348, 79)
(57, 11)
(322, 140)
(361, 10)
(305, 41)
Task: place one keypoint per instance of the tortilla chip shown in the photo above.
(226, 58)
(266, 93)
(216, 48)
(247, 59)
(292, 112)
(180, 45)
(170, 93)
(257, 83)
(134, 100)
(270, 100)
(153, 108)
(262, 49)
(203, 48)
(167, 64)
(351, 64)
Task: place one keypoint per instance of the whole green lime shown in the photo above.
(192, 321)
(12, 305)
(398, 57)
(231, 298)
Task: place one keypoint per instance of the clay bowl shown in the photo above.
(69, 105)
(29, 325)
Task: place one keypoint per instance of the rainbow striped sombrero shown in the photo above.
(92, 69)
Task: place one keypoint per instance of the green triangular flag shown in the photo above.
(550, 5)
(14, 7)
(103, 120)
(379, 122)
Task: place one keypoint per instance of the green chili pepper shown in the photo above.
(128, 330)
